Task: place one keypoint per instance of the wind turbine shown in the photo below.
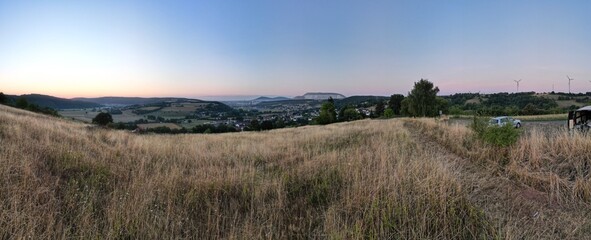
(569, 79)
(517, 81)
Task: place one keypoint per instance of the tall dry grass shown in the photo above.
(553, 164)
(365, 179)
(556, 161)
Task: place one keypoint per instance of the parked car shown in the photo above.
(580, 119)
(504, 120)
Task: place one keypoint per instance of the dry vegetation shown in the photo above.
(546, 117)
(410, 179)
(541, 185)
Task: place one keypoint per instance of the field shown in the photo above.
(563, 103)
(377, 179)
(88, 115)
(547, 117)
(176, 111)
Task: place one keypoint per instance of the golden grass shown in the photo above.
(555, 167)
(546, 117)
(560, 158)
(558, 162)
(365, 179)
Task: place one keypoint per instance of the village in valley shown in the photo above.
(181, 115)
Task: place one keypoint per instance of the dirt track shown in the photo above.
(519, 209)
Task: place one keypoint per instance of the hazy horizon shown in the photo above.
(287, 48)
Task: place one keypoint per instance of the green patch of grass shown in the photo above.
(83, 189)
(307, 199)
(198, 207)
(316, 191)
(457, 219)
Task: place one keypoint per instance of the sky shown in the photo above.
(239, 49)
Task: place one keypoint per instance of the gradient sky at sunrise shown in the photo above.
(228, 48)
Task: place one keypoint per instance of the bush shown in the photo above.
(102, 119)
(389, 113)
(479, 126)
(22, 103)
(499, 136)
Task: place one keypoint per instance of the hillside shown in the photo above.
(55, 102)
(360, 100)
(320, 96)
(270, 99)
(125, 101)
(402, 178)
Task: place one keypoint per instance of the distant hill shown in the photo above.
(320, 96)
(360, 100)
(128, 101)
(353, 101)
(270, 99)
(290, 102)
(55, 102)
(125, 101)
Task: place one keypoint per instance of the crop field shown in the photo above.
(149, 108)
(547, 117)
(88, 115)
(185, 107)
(369, 179)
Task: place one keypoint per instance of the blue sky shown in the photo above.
(245, 48)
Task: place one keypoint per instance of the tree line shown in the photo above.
(22, 103)
(422, 101)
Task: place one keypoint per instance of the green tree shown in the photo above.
(254, 125)
(328, 113)
(395, 103)
(279, 123)
(442, 105)
(389, 113)
(22, 103)
(102, 119)
(405, 107)
(422, 99)
(379, 109)
(529, 109)
(351, 114)
(455, 110)
(2, 98)
(267, 125)
(341, 115)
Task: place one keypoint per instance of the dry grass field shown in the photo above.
(155, 125)
(376, 179)
(546, 117)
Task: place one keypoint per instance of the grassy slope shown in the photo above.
(539, 187)
(365, 179)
